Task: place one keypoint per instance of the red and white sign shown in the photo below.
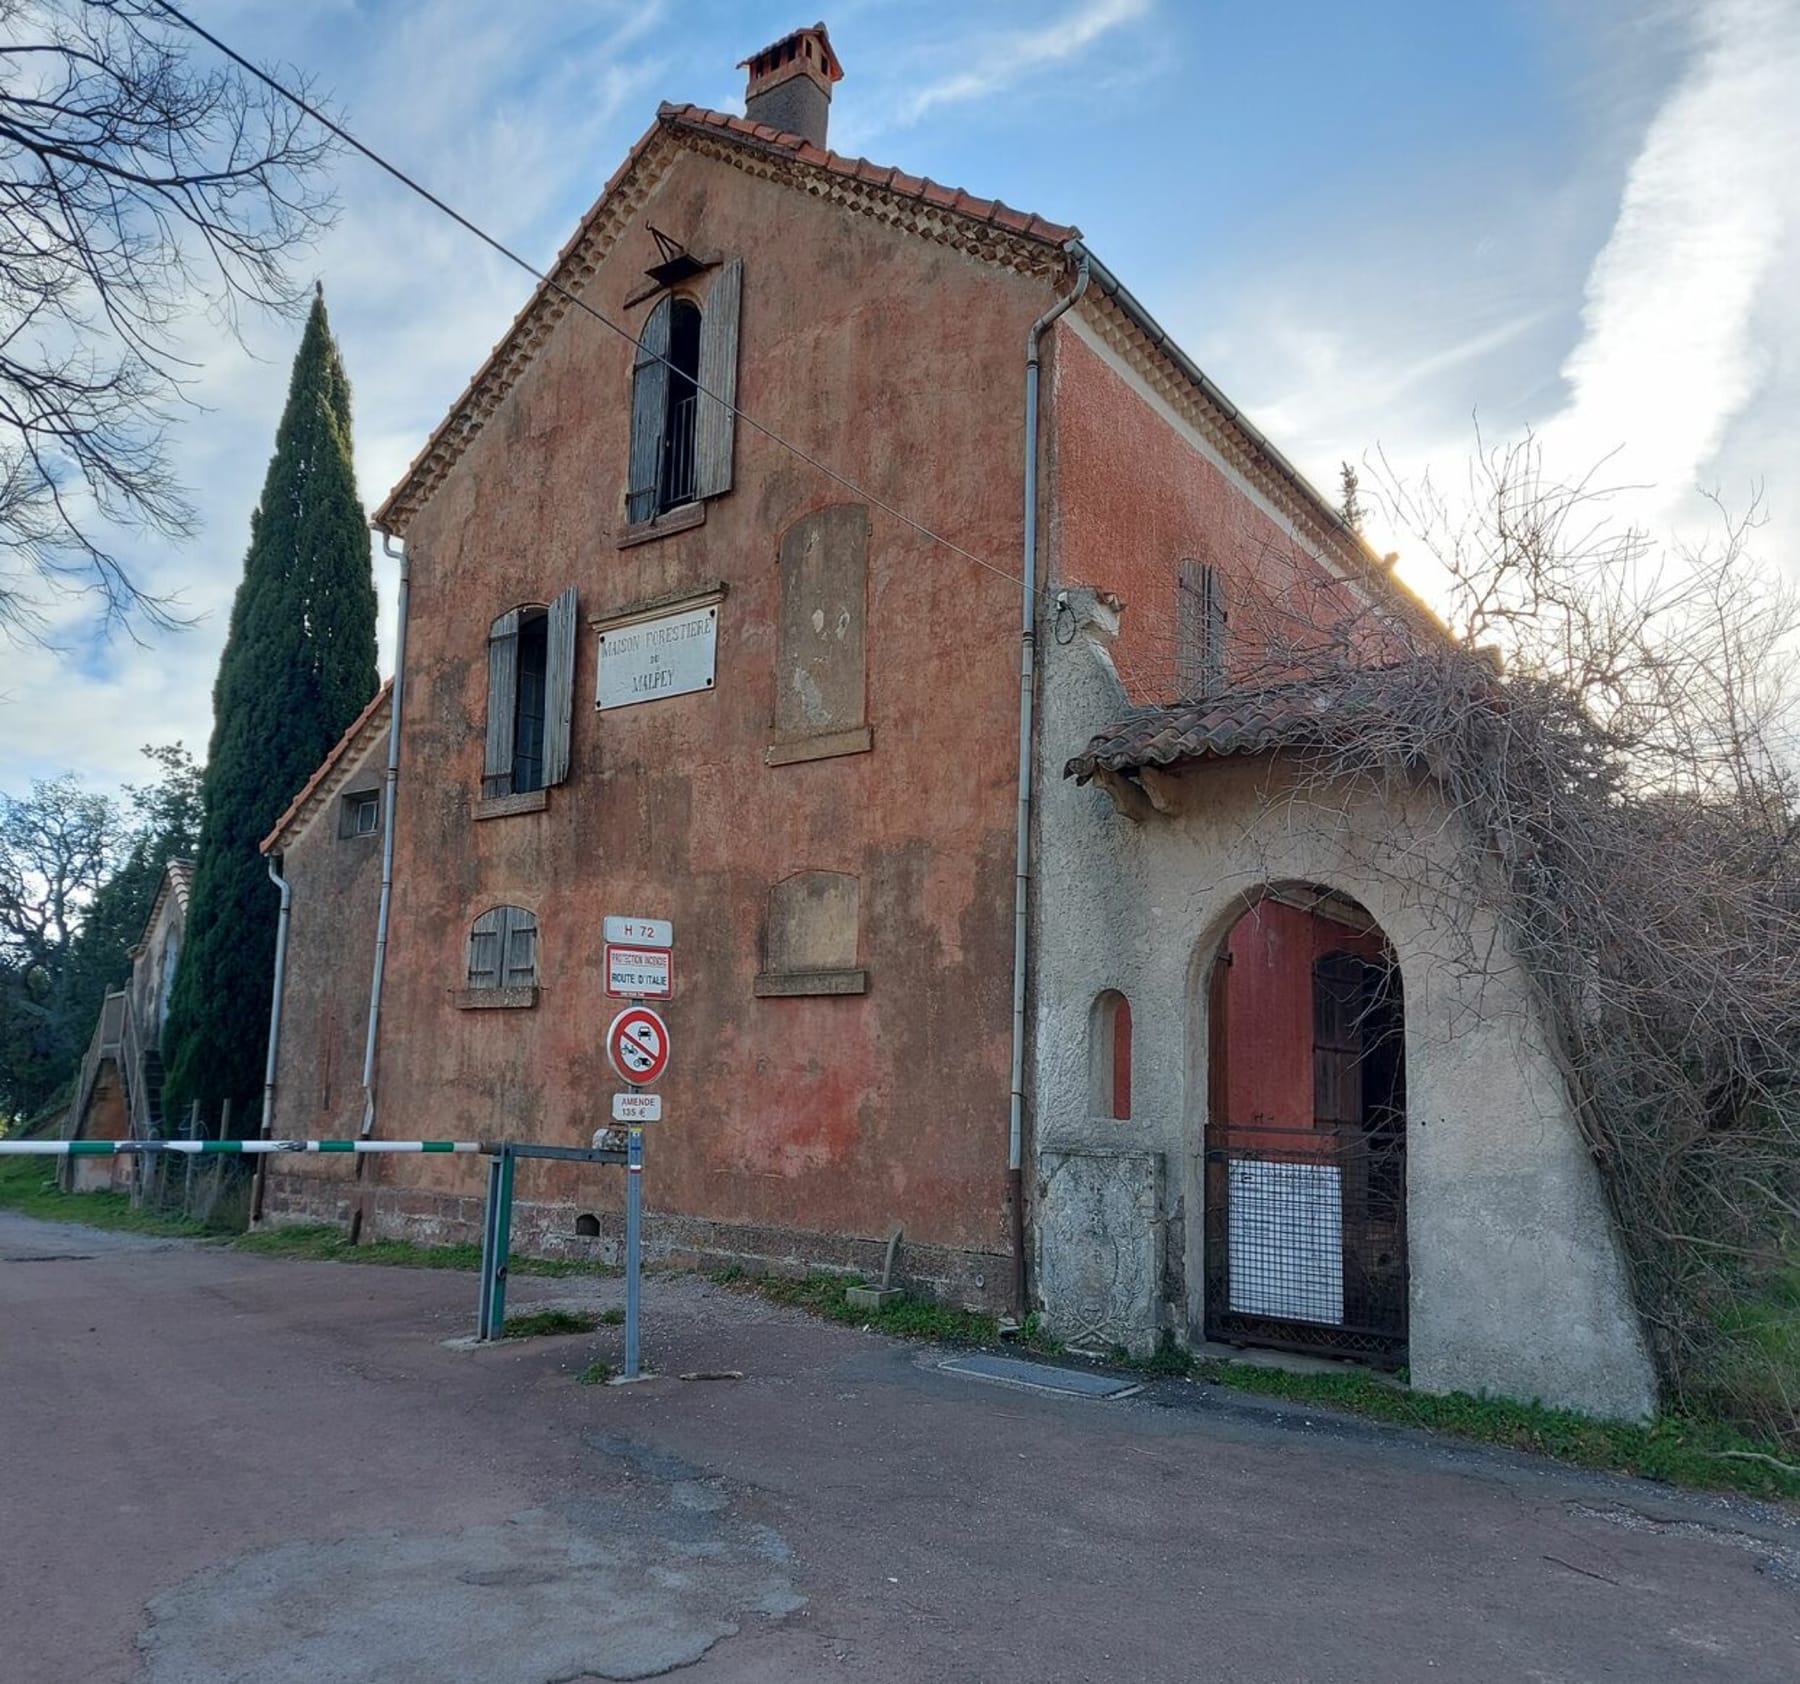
(639, 973)
(637, 1044)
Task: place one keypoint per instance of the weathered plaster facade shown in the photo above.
(802, 1125)
(1517, 1287)
(830, 822)
(333, 871)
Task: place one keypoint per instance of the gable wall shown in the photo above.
(900, 363)
(336, 888)
(1135, 491)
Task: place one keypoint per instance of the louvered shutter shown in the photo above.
(486, 944)
(559, 686)
(1190, 628)
(649, 412)
(503, 697)
(715, 423)
(520, 949)
(1215, 630)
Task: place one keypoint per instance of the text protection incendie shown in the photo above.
(638, 973)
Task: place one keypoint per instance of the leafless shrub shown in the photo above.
(1612, 730)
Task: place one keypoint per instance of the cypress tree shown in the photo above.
(298, 667)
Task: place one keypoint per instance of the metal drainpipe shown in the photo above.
(268, 1104)
(1015, 1158)
(389, 785)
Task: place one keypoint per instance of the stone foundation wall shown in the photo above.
(543, 1228)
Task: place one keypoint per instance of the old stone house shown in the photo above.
(798, 497)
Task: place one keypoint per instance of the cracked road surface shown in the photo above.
(219, 1467)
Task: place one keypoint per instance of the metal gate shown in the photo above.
(1306, 1227)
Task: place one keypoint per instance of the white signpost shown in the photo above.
(640, 932)
(651, 659)
(637, 1107)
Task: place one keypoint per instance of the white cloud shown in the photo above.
(1001, 59)
(1668, 356)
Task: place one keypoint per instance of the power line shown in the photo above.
(545, 279)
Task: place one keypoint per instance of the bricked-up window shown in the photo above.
(683, 398)
(821, 678)
(531, 686)
(503, 949)
(1109, 1057)
(1201, 629)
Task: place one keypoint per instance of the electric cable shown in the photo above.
(546, 278)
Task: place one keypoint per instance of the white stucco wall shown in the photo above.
(1517, 1286)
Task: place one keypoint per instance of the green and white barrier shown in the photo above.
(228, 1148)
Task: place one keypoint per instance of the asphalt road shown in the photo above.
(217, 1467)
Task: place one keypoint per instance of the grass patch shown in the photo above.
(29, 1187)
(538, 1324)
(597, 1373)
(825, 1295)
(1675, 1449)
(321, 1242)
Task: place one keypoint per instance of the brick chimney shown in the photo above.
(790, 84)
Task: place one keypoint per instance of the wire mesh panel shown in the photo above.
(1306, 1240)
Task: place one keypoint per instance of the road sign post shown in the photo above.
(639, 967)
(634, 1255)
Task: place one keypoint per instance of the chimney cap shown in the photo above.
(804, 52)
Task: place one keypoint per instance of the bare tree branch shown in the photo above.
(137, 188)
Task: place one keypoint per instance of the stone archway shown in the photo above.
(1303, 1183)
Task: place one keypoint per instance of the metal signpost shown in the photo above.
(639, 967)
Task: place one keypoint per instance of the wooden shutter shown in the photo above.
(1215, 661)
(559, 686)
(502, 706)
(715, 422)
(649, 412)
(520, 949)
(1200, 629)
(486, 941)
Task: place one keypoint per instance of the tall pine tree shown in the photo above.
(298, 667)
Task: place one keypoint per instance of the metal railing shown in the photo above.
(678, 456)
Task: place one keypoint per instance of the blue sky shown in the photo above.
(1370, 223)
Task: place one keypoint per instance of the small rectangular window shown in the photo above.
(360, 814)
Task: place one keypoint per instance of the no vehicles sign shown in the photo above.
(637, 1045)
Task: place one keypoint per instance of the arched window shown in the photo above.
(503, 949)
(683, 392)
(1109, 1057)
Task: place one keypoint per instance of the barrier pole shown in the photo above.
(634, 1185)
(489, 1212)
(503, 1201)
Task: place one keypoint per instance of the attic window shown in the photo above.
(683, 399)
(362, 814)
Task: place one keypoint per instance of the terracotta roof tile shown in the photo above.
(1307, 713)
(340, 751)
(702, 119)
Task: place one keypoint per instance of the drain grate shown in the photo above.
(51, 1257)
(1040, 1377)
